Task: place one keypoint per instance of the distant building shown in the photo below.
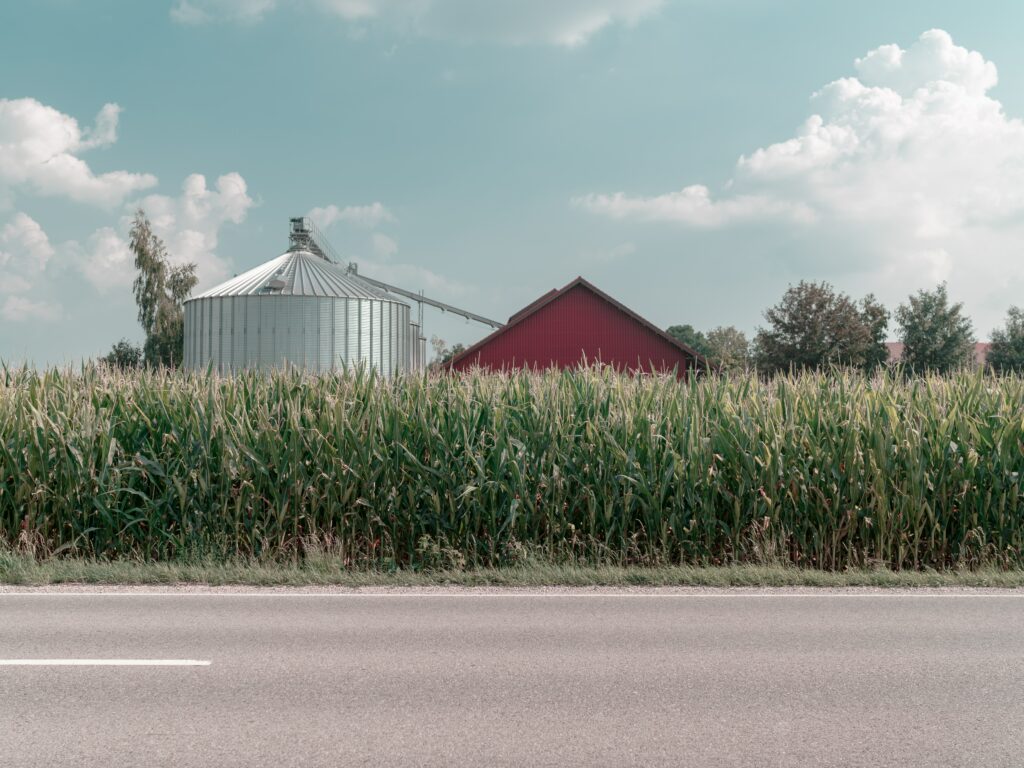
(574, 324)
(980, 352)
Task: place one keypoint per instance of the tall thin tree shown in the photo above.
(160, 293)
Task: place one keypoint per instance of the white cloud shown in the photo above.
(104, 132)
(188, 224)
(371, 215)
(39, 148)
(24, 245)
(693, 206)
(11, 283)
(18, 309)
(192, 12)
(933, 59)
(384, 246)
(105, 261)
(567, 23)
(908, 172)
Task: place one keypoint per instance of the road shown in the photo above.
(693, 679)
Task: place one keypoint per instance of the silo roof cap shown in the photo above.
(298, 273)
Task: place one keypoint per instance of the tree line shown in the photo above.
(814, 327)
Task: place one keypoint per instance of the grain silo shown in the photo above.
(301, 309)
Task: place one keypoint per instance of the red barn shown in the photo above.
(577, 323)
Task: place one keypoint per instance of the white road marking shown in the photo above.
(103, 663)
(825, 592)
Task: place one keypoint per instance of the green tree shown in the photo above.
(876, 318)
(814, 326)
(160, 293)
(442, 353)
(123, 355)
(728, 348)
(1007, 351)
(689, 336)
(936, 335)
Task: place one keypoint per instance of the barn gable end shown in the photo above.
(575, 323)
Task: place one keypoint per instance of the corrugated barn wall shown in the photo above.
(576, 323)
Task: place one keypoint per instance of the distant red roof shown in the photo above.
(578, 323)
(980, 351)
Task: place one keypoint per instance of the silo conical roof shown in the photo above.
(297, 273)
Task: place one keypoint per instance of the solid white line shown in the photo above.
(103, 663)
(824, 593)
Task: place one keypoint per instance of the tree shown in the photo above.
(936, 335)
(1006, 353)
(160, 293)
(728, 348)
(689, 336)
(876, 318)
(124, 356)
(813, 327)
(442, 353)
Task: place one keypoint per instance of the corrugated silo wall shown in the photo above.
(318, 334)
(413, 346)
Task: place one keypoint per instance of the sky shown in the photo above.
(692, 158)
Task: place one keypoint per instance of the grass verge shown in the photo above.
(26, 571)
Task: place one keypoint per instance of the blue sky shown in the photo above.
(690, 157)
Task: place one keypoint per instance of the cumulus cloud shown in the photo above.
(908, 170)
(189, 225)
(25, 252)
(372, 215)
(933, 59)
(104, 260)
(568, 23)
(39, 148)
(694, 206)
(24, 245)
(104, 132)
(18, 309)
(14, 284)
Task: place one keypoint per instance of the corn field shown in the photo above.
(827, 471)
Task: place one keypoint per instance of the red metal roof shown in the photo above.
(980, 351)
(578, 323)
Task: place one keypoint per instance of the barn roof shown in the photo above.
(554, 295)
(981, 349)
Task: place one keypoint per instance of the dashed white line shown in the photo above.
(103, 663)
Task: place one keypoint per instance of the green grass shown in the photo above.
(27, 571)
(837, 472)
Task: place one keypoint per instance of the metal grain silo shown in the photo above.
(300, 309)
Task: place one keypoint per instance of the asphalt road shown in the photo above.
(776, 679)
